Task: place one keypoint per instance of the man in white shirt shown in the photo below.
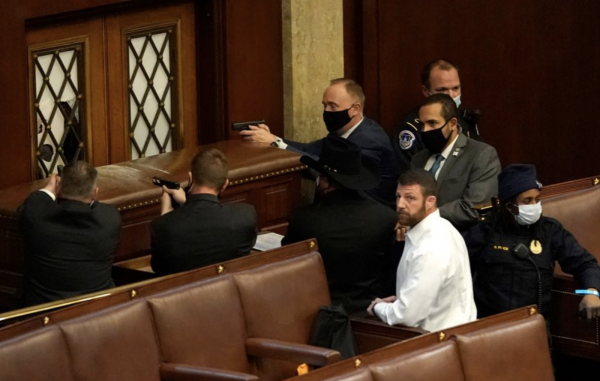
(434, 289)
(466, 170)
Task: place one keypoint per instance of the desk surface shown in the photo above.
(127, 185)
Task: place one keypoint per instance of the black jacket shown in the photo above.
(354, 236)
(69, 247)
(503, 282)
(200, 233)
(375, 145)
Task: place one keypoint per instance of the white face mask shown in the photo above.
(529, 214)
(457, 100)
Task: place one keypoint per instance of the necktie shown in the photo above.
(436, 165)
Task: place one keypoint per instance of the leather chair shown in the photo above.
(578, 212)
(39, 356)
(438, 362)
(511, 351)
(280, 302)
(114, 344)
(203, 325)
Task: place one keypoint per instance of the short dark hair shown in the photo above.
(441, 64)
(78, 180)
(421, 177)
(449, 109)
(352, 87)
(210, 168)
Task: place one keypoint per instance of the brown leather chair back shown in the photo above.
(280, 301)
(438, 362)
(38, 356)
(358, 375)
(511, 351)
(115, 344)
(203, 325)
(579, 212)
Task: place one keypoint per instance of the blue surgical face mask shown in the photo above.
(457, 100)
(529, 214)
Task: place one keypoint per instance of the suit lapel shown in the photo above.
(457, 150)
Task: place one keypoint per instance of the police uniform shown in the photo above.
(406, 139)
(503, 281)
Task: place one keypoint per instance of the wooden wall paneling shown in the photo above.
(530, 68)
(353, 57)
(212, 126)
(14, 129)
(254, 63)
(118, 25)
(90, 32)
(370, 62)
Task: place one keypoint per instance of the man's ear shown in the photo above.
(430, 202)
(425, 91)
(190, 179)
(96, 193)
(224, 185)
(453, 124)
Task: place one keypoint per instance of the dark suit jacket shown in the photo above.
(69, 247)
(200, 233)
(375, 145)
(406, 139)
(469, 177)
(354, 236)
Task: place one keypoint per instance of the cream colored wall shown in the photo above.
(313, 54)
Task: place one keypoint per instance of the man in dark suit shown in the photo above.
(437, 77)
(69, 242)
(466, 170)
(202, 231)
(343, 105)
(354, 233)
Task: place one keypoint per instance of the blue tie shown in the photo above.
(436, 165)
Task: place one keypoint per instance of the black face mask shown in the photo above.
(434, 140)
(334, 120)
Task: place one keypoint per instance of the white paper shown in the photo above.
(268, 241)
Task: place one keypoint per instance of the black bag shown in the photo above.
(332, 330)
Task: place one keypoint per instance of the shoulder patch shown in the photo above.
(406, 139)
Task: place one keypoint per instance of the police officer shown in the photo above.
(513, 251)
(439, 76)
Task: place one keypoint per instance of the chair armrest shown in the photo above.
(284, 350)
(182, 372)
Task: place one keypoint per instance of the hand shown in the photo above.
(259, 134)
(165, 200)
(400, 232)
(53, 184)
(591, 304)
(370, 310)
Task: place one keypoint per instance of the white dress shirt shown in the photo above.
(434, 286)
(445, 153)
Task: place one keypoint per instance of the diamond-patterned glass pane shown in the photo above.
(58, 107)
(151, 77)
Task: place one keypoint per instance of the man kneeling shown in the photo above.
(434, 287)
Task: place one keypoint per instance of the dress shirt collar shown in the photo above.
(350, 131)
(414, 234)
(447, 150)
